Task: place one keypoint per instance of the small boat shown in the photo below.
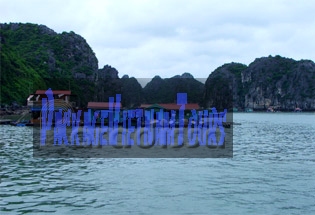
(20, 123)
(297, 110)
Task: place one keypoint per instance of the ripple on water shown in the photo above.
(272, 172)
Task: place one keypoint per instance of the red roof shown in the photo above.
(173, 106)
(145, 105)
(100, 105)
(55, 92)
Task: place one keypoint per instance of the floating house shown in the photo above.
(61, 101)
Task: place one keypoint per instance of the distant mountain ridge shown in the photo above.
(36, 57)
(160, 90)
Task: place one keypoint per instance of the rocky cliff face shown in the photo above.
(276, 82)
(56, 53)
(279, 82)
(77, 53)
(35, 57)
(108, 84)
(223, 88)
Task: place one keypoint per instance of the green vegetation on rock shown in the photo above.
(35, 57)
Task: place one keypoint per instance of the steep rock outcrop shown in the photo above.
(277, 82)
(42, 58)
(281, 83)
(223, 88)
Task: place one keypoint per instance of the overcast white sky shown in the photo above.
(143, 38)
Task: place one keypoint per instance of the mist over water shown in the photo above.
(272, 172)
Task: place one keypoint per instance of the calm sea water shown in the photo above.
(272, 172)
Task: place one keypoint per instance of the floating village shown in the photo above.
(32, 114)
